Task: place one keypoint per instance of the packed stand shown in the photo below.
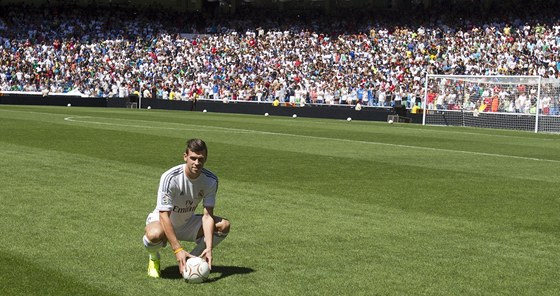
(372, 59)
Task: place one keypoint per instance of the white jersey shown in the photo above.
(180, 195)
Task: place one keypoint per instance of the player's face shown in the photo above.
(195, 162)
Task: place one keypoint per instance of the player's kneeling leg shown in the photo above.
(201, 245)
(222, 228)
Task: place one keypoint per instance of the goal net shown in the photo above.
(529, 103)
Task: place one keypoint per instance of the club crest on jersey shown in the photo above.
(201, 193)
(166, 200)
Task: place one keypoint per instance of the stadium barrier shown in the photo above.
(58, 100)
(240, 107)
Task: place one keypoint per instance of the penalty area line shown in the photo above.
(184, 126)
(420, 147)
(248, 131)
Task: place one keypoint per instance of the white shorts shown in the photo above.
(186, 232)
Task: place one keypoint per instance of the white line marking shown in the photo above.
(322, 120)
(482, 134)
(184, 126)
(209, 128)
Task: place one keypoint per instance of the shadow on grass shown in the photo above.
(172, 272)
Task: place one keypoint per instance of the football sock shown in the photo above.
(200, 245)
(152, 248)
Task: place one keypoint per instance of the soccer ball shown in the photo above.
(349, 118)
(69, 105)
(390, 121)
(149, 107)
(266, 114)
(196, 270)
(294, 116)
(204, 111)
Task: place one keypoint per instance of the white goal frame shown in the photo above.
(455, 89)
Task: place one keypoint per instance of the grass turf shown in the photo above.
(318, 207)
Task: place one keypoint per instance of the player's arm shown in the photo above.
(181, 255)
(208, 228)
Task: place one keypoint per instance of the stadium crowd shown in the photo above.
(376, 60)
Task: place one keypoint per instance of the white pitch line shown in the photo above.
(419, 130)
(483, 134)
(185, 126)
(316, 138)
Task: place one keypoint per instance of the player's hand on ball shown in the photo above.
(182, 257)
(207, 255)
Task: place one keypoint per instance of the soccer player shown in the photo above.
(181, 189)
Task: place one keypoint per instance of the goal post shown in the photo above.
(529, 103)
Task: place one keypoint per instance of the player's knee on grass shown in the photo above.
(223, 226)
(154, 232)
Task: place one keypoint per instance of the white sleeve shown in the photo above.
(165, 193)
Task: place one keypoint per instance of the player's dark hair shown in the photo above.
(196, 145)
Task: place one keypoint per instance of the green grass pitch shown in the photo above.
(318, 207)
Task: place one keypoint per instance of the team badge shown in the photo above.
(201, 194)
(166, 200)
